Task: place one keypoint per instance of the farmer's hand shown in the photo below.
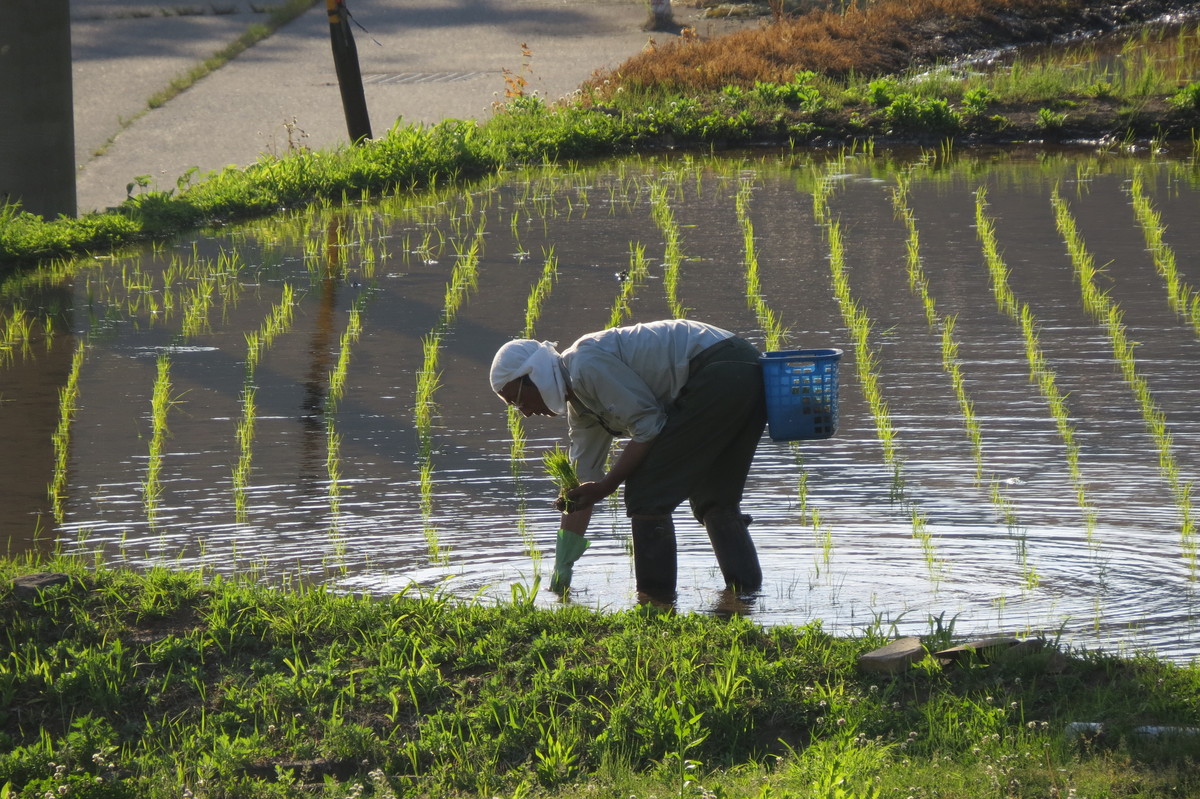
(585, 495)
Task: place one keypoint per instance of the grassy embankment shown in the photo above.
(170, 684)
(824, 77)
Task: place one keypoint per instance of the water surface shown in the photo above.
(845, 536)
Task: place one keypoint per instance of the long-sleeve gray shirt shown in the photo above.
(625, 378)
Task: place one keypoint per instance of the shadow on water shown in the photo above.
(845, 537)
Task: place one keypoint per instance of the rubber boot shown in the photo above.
(568, 549)
(735, 550)
(654, 565)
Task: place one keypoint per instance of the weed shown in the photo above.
(1048, 119)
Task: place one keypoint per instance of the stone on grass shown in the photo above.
(986, 650)
(28, 586)
(895, 657)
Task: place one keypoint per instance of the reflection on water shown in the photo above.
(1001, 535)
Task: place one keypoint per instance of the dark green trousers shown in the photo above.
(703, 453)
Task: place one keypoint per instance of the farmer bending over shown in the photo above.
(689, 397)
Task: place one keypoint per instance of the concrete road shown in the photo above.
(421, 60)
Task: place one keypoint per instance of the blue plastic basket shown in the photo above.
(802, 393)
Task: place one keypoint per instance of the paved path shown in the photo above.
(422, 61)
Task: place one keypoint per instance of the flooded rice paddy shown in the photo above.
(306, 398)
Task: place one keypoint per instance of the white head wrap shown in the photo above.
(540, 361)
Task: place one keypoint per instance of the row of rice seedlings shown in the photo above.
(245, 439)
(533, 310)
(428, 380)
(161, 401)
(68, 405)
(464, 278)
(664, 217)
(277, 322)
(918, 283)
(634, 276)
(1183, 299)
(774, 333)
(1109, 314)
(866, 361)
(337, 378)
(540, 292)
(333, 442)
(1040, 371)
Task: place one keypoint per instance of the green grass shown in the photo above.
(168, 684)
(805, 108)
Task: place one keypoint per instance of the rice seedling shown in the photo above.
(540, 292)
(161, 401)
(197, 306)
(333, 471)
(245, 439)
(630, 281)
(277, 322)
(1040, 371)
(933, 562)
(1109, 315)
(561, 469)
(337, 378)
(664, 217)
(68, 405)
(463, 279)
(866, 361)
(774, 333)
(1183, 299)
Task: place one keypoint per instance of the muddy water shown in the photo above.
(845, 537)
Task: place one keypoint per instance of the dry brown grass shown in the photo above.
(885, 37)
